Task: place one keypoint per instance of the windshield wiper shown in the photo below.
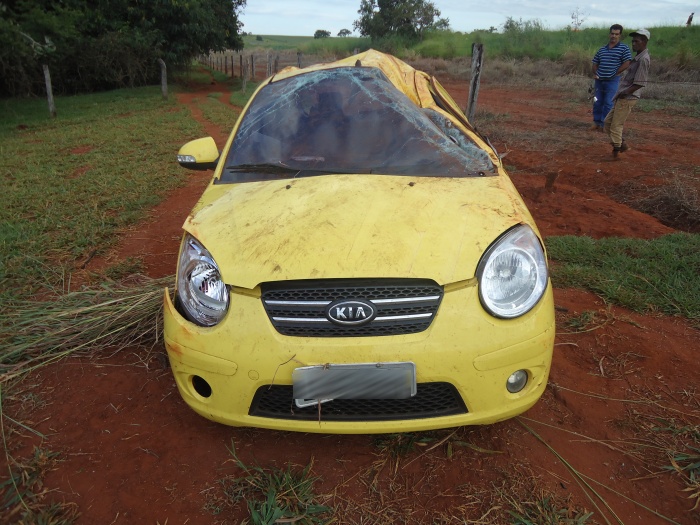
(283, 169)
(262, 168)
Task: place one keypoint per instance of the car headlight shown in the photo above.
(512, 274)
(202, 293)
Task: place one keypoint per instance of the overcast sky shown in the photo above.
(304, 17)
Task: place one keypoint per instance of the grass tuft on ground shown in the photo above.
(272, 495)
(658, 275)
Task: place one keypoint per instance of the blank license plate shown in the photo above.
(355, 381)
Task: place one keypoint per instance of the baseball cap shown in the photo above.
(641, 32)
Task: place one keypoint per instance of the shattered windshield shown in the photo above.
(348, 120)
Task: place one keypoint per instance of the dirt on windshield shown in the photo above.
(622, 395)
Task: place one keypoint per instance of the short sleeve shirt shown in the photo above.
(637, 73)
(610, 59)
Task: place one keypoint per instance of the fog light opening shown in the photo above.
(201, 386)
(517, 381)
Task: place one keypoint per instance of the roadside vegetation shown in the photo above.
(648, 276)
(674, 46)
(97, 46)
(70, 183)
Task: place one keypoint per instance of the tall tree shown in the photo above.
(102, 44)
(405, 18)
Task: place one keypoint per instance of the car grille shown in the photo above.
(431, 400)
(403, 306)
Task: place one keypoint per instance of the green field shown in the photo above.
(674, 43)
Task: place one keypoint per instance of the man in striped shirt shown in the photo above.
(628, 93)
(610, 60)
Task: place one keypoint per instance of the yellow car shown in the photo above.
(359, 263)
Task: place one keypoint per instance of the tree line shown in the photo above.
(93, 45)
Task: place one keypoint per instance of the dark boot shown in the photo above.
(624, 147)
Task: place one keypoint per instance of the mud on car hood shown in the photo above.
(355, 226)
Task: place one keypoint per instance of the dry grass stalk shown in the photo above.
(675, 203)
(116, 315)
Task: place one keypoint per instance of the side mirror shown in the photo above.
(200, 154)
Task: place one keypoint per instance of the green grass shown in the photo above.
(218, 113)
(678, 44)
(71, 182)
(659, 275)
(680, 108)
(674, 43)
(278, 42)
(336, 47)
(272, 495)
(197, 75)
(239, 97)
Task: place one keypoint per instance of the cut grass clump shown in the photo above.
(675, 203)
(658, 275)
(273, 495)
(116, 315)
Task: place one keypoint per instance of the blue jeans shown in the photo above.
(604, 92)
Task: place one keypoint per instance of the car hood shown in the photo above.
(354, 226)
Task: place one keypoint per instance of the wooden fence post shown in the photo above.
(242, 69)
(163, 78)
(252, 67)
(49, 91)
(299, 59)
(477, 61)
(277, 63)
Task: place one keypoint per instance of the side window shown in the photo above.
(458, 138)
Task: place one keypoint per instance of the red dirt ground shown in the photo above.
(133, 452)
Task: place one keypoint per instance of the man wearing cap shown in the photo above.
(608, 63)
(628, 92)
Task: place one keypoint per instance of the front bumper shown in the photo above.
(220, 370)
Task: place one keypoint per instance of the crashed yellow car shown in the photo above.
(359, 263)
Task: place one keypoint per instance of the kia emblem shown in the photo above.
(350, 312)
